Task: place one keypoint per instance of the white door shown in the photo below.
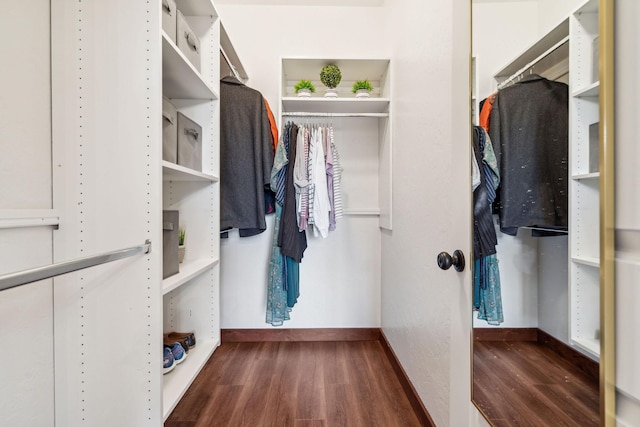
(26, 313)
(426, 311)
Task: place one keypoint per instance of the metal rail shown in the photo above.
(311, 114)
(24, 277)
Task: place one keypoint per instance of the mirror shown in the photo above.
(543, 283)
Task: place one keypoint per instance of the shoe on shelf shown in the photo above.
(184, 342)
(178, 352)
(168, 361)
(179, 336)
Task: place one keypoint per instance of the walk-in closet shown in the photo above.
(136, 135)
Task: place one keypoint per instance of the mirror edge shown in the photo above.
(607, 215)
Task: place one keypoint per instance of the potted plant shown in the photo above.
(330, 76)
(304, 88)
(181, 247)
(362, 88)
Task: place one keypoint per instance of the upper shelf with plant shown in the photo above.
(338, 77)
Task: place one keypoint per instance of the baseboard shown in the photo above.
(590, 366)
(407, 386)
(505, 334)
(314, 334)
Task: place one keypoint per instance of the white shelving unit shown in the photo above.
(191, 297)
(353, 113)
(584, 185)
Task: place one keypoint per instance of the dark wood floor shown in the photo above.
(297, 384)
(524, 383)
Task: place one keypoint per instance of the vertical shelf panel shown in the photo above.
(584, 181)
(191, 300)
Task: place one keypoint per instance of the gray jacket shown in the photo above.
(246, 157)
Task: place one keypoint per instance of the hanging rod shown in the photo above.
(553, 230)
(515, 75)
(24, 277)
(309, 114)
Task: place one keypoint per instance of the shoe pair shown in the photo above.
(173, 355)
(187, 339)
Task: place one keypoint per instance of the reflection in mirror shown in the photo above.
(536, 196)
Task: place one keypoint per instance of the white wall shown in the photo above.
(339, 276)
(554, 11)
(501, 31)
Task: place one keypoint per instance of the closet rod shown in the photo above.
(231, 66)
(24, 277)
(515, 75)
(554, 230)
(308, 114)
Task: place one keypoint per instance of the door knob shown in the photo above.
(445, 261)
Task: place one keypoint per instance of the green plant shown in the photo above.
(330, 76)
(181, 237)
(362, 84)
(304, 84)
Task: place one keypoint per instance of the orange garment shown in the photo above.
(485, 113)
(274, 128)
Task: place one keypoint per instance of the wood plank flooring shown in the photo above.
(524, 383)
(297, 384)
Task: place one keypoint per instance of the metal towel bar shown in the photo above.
(24, 277)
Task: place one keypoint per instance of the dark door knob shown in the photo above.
(445, 261)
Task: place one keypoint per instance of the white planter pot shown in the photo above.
(362, 93)
(331, 93)
(181, 251)
(304, 93)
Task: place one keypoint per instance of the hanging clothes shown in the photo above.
(529, 129)
(321, 204)
(486, 276)
(291, 240)
(246, 158)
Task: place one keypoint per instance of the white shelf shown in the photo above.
(590, 91)
(231, 54)
(586, 176)
(590, 261)
(197, 8)
(590, 346)
(336, 105)
(180, 79)
(20, 218)
(176, 382)
(362, 212)
(188, 271)
(351, 69)
(174, 172)
(533, 52)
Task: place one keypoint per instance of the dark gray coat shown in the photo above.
(246, 157)
(529, 128)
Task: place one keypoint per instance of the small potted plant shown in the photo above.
(304, 88)
(362, 88)
(181, 247)
(330, 76)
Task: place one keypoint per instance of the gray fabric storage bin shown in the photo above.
(170, 227)
(189, 143)
(169, 18)
(169, 132)
(188, 43)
